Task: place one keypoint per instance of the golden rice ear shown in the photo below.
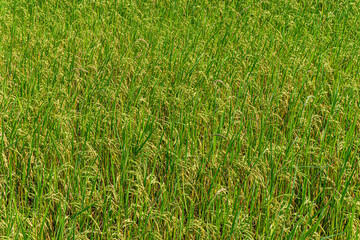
(222, 190)
(6, 144)
(142, 40)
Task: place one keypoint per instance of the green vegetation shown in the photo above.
(179, 119)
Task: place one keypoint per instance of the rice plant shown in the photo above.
(182, 119)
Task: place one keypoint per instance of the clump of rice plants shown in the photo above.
(179, 119)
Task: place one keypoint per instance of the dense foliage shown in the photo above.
(179, 119)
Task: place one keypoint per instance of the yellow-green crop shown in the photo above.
(181, 119)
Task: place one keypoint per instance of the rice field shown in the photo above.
(182, 119)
